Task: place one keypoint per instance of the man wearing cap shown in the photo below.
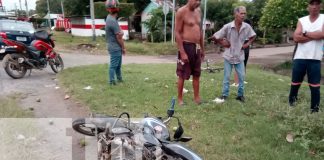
(115, 42)
(309, 35)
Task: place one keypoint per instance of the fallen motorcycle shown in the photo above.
(36, 56)
(147, 139)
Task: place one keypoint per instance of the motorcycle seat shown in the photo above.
(33, 51)
(102, 123)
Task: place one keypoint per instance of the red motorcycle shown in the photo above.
(36, 56)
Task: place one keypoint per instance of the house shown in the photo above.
(152, 6)
(82, 26)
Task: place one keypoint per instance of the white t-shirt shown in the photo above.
(311, 49)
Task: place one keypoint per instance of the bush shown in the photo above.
(159, 36)
(127, 9)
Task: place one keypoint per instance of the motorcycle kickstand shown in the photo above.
(30, 72)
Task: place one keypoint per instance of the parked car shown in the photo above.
(16, 30)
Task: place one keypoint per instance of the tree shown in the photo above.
(77, 7)
(282, 13)
(220, 11)
(41, 7)
(127, 9)
(139, 4)
(155, 25)
(254, 10)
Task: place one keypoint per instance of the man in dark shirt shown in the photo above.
(115, 42)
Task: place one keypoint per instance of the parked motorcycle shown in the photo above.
(36, 56)
(126, 139)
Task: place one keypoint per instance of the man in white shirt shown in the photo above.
(309, 35)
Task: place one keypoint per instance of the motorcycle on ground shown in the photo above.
(36, 56)
(145, 139)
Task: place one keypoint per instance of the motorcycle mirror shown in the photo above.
(178, 133)
(170, 111)
(184, 139)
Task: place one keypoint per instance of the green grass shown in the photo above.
(254, 130)
(10, 109)
(67, 41)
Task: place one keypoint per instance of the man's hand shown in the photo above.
(202, 54)
(225, 43)
(124, 51)
(212, 39)
(246, 45)
(184, 57)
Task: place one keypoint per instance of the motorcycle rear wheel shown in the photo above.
(11, 66)
(82, 127)
(57, 64)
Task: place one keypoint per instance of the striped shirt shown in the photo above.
(235, 54)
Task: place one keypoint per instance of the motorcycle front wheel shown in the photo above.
(57, 64)
(12, 67)
(81, 126)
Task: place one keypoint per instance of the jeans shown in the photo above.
(227, 75)
(115, 66)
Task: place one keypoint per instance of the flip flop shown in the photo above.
(201, 102)
(182, 104)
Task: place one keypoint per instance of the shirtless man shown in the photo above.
(190, 42)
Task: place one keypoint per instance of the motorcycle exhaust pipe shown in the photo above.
(29, 63)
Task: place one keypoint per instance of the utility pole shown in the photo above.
(93, 25)
(49, 17)
(172, 31)
(62, 6)
(27, 11)
(165, 12)
(20, 4)
(204, 20)
(16, 12)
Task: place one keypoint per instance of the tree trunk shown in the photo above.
(152, 38)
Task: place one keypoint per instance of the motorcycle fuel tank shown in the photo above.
(157, 128)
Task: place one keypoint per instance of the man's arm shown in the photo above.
(119, 37)
(298, 34)
(219, 37)
(247, 44)
(318, 35)
(178, 30)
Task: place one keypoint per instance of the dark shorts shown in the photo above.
(312, 68)
(194, 66)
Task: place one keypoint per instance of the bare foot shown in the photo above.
(180, 102)
(198, 101)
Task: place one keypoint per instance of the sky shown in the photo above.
(10, 4)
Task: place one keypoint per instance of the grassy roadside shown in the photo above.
(9, 108)
(66, 41)
(254, 130)
(17, 130)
